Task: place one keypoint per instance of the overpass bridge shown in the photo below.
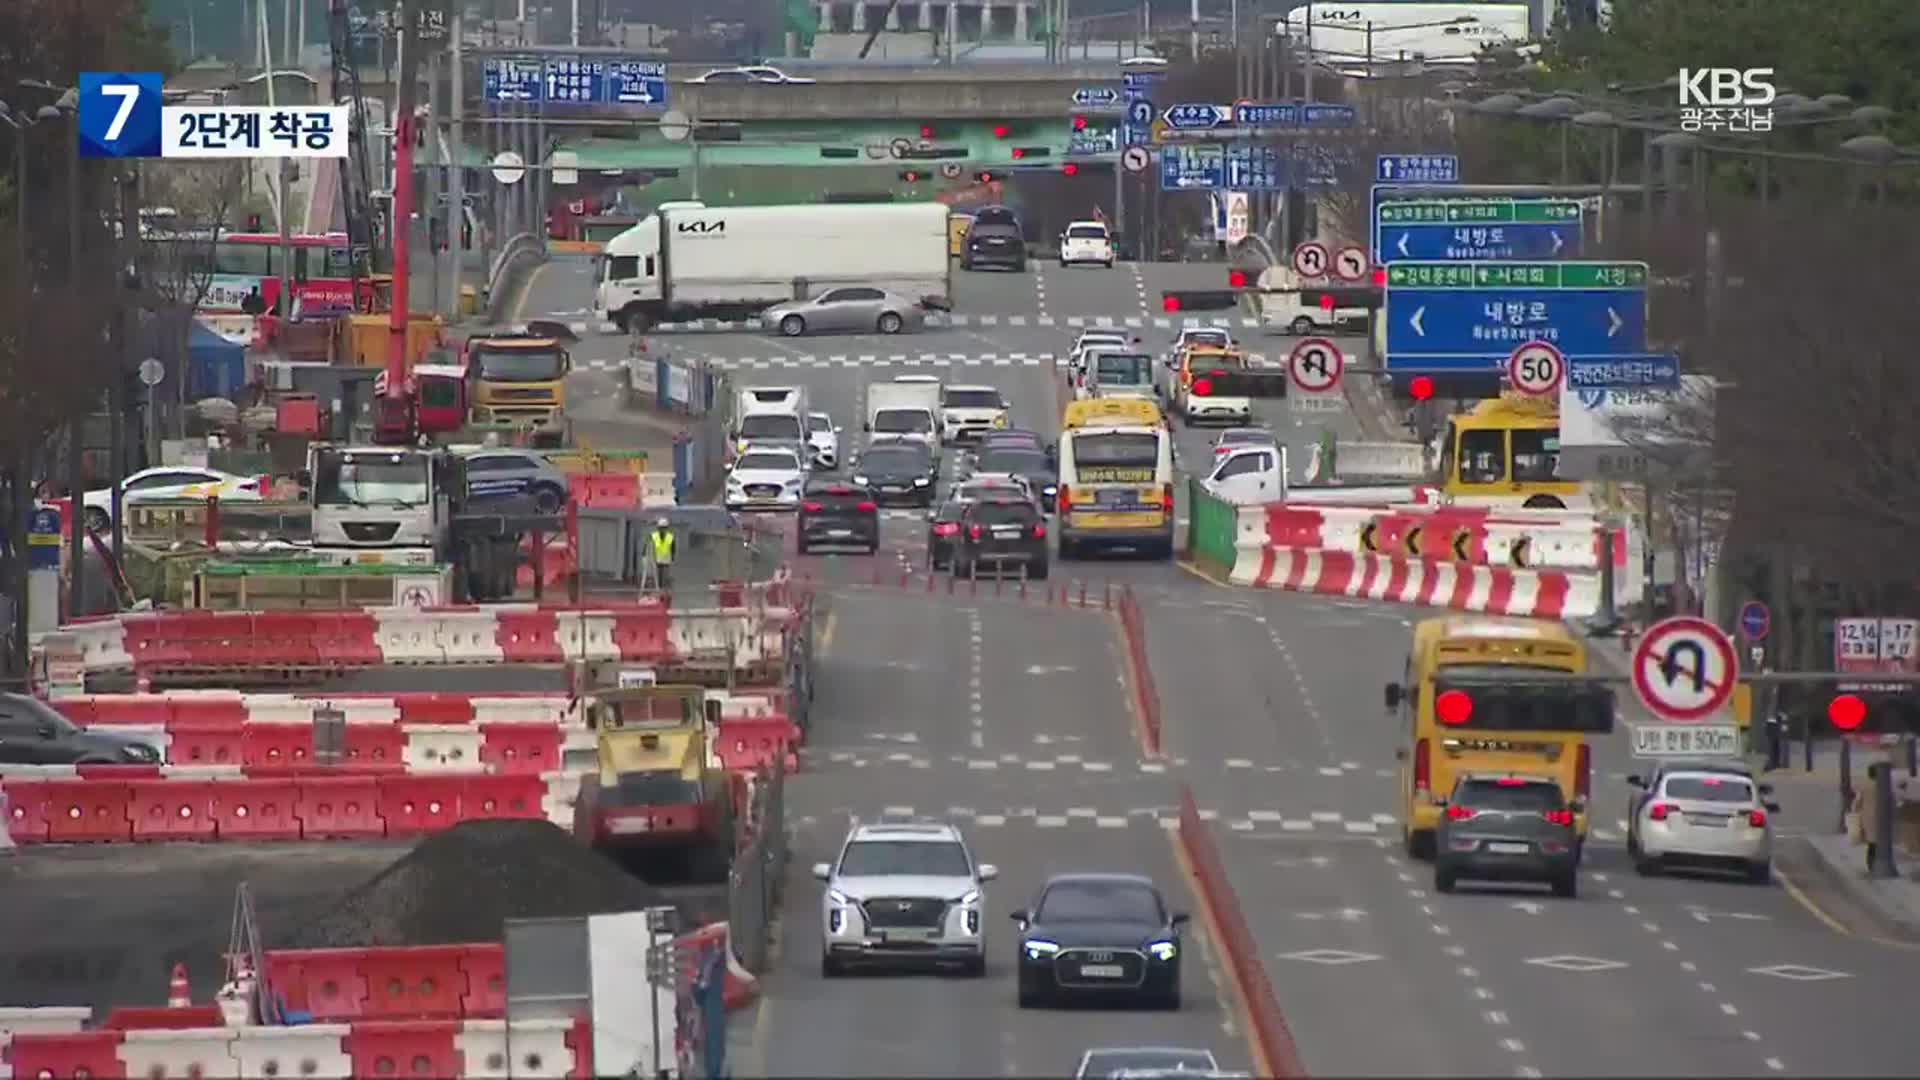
(984, 92)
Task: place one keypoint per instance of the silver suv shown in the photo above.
(903, 893)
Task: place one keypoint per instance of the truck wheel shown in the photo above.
(632, 319)
(793, 326)
(1301, 326)
(890, 322)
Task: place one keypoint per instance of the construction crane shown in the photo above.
(394, 421)
(356, 177)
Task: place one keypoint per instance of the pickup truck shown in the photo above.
(1250, 476)
(1215, 385)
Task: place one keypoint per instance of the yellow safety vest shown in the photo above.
(663, 548)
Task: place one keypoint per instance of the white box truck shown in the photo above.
(730, 262)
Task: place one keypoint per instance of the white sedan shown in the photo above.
(170, 482)
(1086, 242)
(766, 478)
(823, 440)
(756, 74)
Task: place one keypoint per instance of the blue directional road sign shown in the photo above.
(1257, 168)
(512, 79)
(1196, 167)
(1479, 229)
(1193, 116)
(1090, 96)
(1137, 89)
(1627, 371)
(1417, 168)
(636, 82)
(1467, 317)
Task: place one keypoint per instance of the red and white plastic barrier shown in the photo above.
(1492, 590)
(121, 803)
(645, 632)
(742, 986)
(539, 1049)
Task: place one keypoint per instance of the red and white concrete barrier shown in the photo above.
(1544, 594)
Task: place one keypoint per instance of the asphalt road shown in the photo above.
(955, 710)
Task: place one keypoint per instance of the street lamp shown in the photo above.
(1559, 110)
(1497, 105)
(20, 122)
(1602, 119)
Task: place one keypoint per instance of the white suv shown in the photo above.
(1086, 242)
(903, 894)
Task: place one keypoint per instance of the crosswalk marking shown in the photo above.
(583, 327)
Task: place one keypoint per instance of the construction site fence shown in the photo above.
(712, 546)
(753, 887)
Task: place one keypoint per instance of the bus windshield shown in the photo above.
(1140, 449)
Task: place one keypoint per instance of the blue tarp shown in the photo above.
(219, 365)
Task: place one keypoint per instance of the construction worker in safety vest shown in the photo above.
(662, 537)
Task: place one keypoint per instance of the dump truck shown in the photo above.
(660, 793)
(518, 379)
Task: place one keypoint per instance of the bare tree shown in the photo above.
(190, 207)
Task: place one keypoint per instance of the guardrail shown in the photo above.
(521, 252)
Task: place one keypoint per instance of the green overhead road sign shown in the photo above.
(1480, 212)
(1529, 275)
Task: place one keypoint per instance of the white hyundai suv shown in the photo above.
(903, 894)
(1086, 242)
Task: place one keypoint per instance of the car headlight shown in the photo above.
(139, 752)
(999, 421)
(922, 481)
(861, 480)
(972, 897)
(1039, 950)
(1163, 950)
(1050, 490)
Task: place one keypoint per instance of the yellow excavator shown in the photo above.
(658, 791)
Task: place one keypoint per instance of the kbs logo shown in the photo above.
(1726, 99)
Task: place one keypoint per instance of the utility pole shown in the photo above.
(76, 428)
(457, 174)
(130, 283)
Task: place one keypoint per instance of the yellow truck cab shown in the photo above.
(1507, 448)
(519, 380)
(958, 226)
(1493, 695)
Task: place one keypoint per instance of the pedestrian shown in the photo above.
(663, 541)
(254, 303)
(1866, 815)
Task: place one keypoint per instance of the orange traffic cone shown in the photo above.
(179, 994)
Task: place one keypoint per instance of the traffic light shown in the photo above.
(986, 176)
(1199, 300)
(1169, 302)
(1001, 131)
(1421, 388)
(1379, 277)
(1238, 278)
(1847, 712)
(1453, 707)
(913, 176)
(1079, 123)
(1070, 169)
(1032, 151)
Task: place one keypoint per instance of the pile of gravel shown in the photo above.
(460, 886)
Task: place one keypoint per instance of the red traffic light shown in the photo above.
(1203, 387)
(1421, 388)
(1001, 131)
(1169, 303)
(985, 177)
(1079, 123)
(1019, 152)
(1455, 707)
(1326, 301)
(1237, 279)
(911, 177)
(1070, 169)
(1380, 276)
(926, 131)
(1847, 712)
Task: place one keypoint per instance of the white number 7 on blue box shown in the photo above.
(119, 114)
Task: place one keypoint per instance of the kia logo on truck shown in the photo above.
(1339, 16)
(703, 228)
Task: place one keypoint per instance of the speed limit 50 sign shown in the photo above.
(1536, 368)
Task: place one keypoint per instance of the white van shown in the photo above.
(1283, 305)
(1116, 489)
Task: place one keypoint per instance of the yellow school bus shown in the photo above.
(1466, 706)
(1507, 448)
(1103, 411)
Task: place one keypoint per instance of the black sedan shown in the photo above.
(898, 471)
(1100, 935)
(834, 513)
(33, 733)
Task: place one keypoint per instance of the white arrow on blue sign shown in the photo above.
(1196, 117)
(1096, 95)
